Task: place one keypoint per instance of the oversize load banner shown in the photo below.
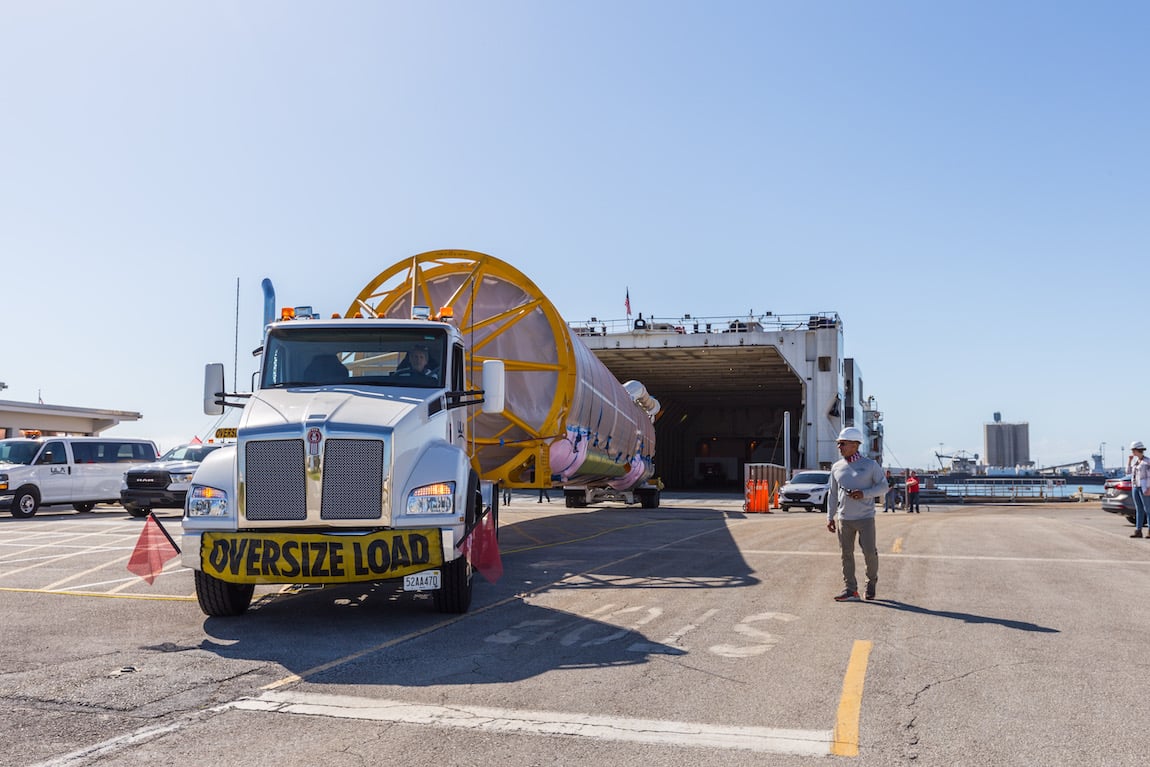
(319, 558)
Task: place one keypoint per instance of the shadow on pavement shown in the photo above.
(965, 617)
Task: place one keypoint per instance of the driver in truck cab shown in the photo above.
(418, 363)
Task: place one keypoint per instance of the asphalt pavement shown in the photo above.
(690, 634)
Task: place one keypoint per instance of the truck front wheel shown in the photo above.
(454, 594)
(221, 599)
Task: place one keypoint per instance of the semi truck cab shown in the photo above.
(353, 461)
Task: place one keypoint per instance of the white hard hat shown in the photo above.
(851, 434)
(1138, 446)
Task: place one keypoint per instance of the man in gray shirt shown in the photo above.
(856, 481)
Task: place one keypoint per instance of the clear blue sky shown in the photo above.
(966, 183)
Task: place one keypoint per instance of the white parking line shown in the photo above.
(955, 557)
(505, 721)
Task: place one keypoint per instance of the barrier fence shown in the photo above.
(761, 486)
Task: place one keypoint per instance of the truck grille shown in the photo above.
(147, 480)
(275, 486)
(352, 479)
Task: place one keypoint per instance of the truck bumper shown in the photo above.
(153, 499)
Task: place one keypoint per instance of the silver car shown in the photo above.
(1118, 497)
(807, 489)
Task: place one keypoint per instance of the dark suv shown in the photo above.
(163, 484)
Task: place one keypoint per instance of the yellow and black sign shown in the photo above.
(319, 558)
(226, 433)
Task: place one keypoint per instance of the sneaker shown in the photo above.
(1136, 534)
(847, 596)
(870, 591)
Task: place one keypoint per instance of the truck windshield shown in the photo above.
(299, 355)
(18, 451)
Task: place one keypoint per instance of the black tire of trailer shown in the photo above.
(83, 508)
(454, 593)
(139, 512)
(575, 499)
(220, 599)
(649, 499)
(25, 502)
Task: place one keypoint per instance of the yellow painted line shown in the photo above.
(897, 547)
(845, 741)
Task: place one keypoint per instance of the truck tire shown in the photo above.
(83, 508)
(138, 511)
(221, 599)
(649, 499)
(454, 593)
(575, 499)
(25, 502)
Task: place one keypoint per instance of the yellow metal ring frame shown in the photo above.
(392, 294)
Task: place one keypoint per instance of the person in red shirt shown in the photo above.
(912, 506)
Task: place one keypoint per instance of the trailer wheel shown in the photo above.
(575, 499)
(221, 599)
(138, 511)
(454, 594)
(25, 502)
(649, 499)
(83, 507)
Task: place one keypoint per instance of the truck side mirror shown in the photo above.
(494, 386)
(213, 388)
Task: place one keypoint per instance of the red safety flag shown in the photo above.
(196, 441)
(627, 302)
(481, 548)
(153, 549)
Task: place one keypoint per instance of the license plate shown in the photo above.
(425, 581)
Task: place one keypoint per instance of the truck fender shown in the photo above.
(218, 469)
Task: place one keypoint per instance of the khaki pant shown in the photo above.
(864, 529)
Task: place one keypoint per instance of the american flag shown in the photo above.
(627, 302)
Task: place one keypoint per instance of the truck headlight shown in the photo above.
(181, 479)
(432, 499)
(3, 481)
(206, 501)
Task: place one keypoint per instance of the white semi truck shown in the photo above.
(367, 449)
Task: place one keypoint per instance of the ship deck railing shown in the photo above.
(687, 324)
